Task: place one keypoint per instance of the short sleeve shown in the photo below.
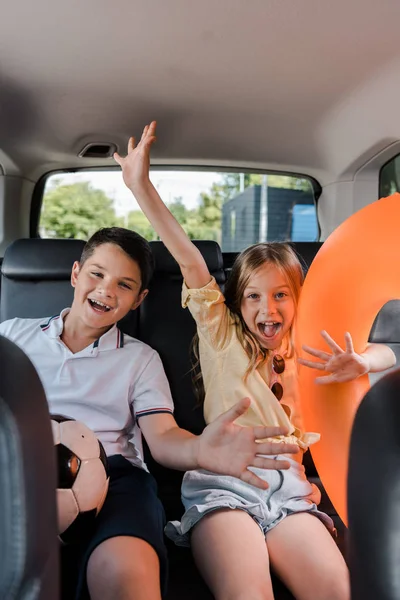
(151, 393)
(209, 294)
(213, 318)
(8, 329)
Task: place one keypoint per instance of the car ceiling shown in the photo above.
(311, 86)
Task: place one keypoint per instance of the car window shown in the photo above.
(235, 209)
(389, 177)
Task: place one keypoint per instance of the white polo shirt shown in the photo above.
(107, 386)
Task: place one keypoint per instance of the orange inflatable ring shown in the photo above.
(356, 271)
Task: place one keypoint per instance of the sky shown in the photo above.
(170, 185)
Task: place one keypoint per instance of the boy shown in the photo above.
(94, 373)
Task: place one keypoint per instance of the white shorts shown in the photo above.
(289, 492)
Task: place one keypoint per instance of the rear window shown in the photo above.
(234, 209)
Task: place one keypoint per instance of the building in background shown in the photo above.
(262, 213)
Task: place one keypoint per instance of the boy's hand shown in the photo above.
(135, 166)
(343, 365)
(230, 449)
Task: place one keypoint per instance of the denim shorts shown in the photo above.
(289, 492)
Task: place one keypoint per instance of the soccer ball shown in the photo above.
(82, 477)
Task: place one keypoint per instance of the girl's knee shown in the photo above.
(337, 588)
(341, 591)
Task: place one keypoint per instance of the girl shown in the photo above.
(246, 349)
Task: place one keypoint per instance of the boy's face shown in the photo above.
(107, 287)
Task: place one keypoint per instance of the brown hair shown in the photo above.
(284, 258)
(133, 244)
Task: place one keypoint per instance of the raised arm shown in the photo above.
(135, 171)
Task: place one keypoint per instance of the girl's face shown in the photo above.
(268, 306)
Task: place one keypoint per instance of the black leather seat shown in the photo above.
(28, 519)
(169, 329)
(386, 330)
(36, 277)
(374, 493)
(306, 252)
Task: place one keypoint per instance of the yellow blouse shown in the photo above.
(224, 362)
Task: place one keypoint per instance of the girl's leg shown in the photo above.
(124, 568)
(304, 555)
(230, 551)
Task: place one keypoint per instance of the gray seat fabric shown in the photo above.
(373, 493)
(28, 520)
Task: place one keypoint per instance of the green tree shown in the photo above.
(208, 215)
(198, 223)
(192, 221)
(289, 182)
(76, 211)
(179, 210)
(211, 206)
(137, 221)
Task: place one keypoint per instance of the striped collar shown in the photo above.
(111, 340)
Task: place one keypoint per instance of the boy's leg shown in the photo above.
(124, 568)
(304, 555)
(230, 551)
(126, 551)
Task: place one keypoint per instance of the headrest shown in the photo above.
(386, 327)
(306, 252)
(42, 259)
(165, 263)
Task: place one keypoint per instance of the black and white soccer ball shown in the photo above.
(82, 477)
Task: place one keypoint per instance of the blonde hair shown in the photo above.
(284, 258)
(281, 256)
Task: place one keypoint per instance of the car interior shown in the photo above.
(287, 116)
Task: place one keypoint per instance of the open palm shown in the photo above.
(342, 365)
(135, 166)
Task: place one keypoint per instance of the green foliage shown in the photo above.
(199, 223)
(138, 222)
(76, 211)
(289, 182)
(179, 210)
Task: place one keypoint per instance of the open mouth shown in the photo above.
(98, 306)
(269, 329)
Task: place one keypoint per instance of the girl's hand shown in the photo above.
(136, 164)
(343, 365)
